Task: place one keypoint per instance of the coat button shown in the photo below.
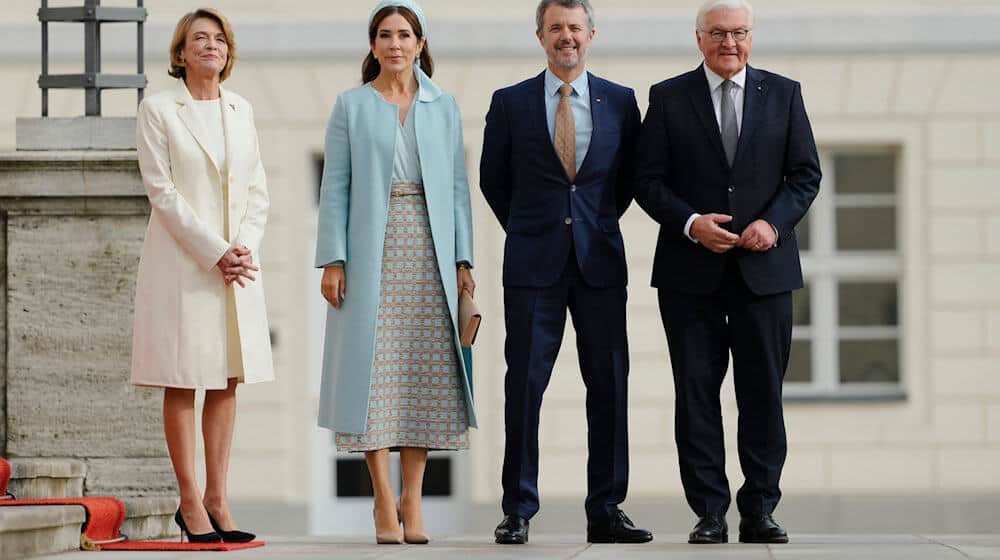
(568, 221)
(732, 189)
(572, 188)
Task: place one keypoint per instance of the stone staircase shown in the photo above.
(38, 530)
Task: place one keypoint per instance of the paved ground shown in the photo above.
(566, 547)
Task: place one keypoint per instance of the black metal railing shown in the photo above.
(92, 80)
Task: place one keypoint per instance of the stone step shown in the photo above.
(150, 518)
(46, 478)
(36, 530)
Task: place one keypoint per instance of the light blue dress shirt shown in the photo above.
(579, 102)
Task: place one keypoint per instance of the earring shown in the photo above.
(375, 56)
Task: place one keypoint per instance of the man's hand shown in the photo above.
(759, 236)
(705, 230)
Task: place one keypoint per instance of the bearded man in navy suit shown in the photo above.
(727, 165)
(557, 171)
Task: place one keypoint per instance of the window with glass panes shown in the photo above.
(846, 338)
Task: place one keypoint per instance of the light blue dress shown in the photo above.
(415, 397)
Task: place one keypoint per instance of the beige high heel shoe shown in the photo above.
(394, 537)
(411, 537)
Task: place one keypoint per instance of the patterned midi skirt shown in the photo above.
(416, 397)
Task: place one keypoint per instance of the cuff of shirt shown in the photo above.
(688, 224)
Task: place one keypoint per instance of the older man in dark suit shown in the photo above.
(557, 172)
(728, 166)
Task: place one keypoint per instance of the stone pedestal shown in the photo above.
(71, 230)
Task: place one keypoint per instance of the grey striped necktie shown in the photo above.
(730, 132)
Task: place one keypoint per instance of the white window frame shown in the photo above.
(824, 267)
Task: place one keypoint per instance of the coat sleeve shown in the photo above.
(255, 220)
(625, 190)
(802, 172)
(335, 194)
(204, 245)
(494, 167)
(463, 204)
(653, 189)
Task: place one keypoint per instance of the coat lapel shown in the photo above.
(753, 109)
(598, 100)
(194, 125)
(230, 124)
(536, 104)
(701, 100)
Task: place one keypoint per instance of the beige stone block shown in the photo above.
(870, 82)
(969, 468)
(562, 475)
(956, 235)
(563, 428)
(965, 377)
(650, 425)
(806, 470)
(993, 330)
(965, 283)
(806, 427)
(653, 474)
(993, 235)
(953, 140)
(993, 422)
(261, 429)
(972, 188)
(918, 78)
(823, 82)
(962, 422)
(956, 330)
(874, 470)
(991, 140)
(959, 95)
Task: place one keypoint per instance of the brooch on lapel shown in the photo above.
(598, 99)
(233, 106)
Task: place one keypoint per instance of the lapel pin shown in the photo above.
(598, 100)
(232, 106)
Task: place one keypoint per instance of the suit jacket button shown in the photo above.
(568, 221)
(572, 188)
(732, 189)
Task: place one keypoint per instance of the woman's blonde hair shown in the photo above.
(177, 44)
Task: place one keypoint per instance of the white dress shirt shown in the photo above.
(715, 88)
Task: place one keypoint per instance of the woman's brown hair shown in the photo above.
(177, 44)
(371, 68)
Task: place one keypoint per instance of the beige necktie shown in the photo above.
(565, 136)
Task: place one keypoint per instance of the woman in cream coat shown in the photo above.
(200, 320)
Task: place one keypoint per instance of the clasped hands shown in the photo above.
(237, 266)
(759, 236)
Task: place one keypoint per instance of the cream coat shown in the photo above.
(179, 336)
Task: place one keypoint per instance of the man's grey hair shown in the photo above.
(712, 5)
(544, 5)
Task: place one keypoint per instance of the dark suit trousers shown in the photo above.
(701, 332)
(535, 320)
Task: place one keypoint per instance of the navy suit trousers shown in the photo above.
(702, 330)
(535, 320)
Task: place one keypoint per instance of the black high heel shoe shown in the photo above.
(231, 536)
(212, 537)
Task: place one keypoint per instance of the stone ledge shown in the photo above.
(47, 478)
(36, 530)
(150, 518)
(76, 133)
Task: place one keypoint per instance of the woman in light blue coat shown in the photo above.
(395, 243)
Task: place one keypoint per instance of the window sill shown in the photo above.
(847, 394)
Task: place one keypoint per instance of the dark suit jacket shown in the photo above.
(682, 169)
(526, 186)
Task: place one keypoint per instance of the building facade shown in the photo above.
(894, 387)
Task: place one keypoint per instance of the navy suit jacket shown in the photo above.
(531, 195)
(682, 169)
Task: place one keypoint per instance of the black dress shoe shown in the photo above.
(512, 530)
(761, 528)
(617, 529)
(231, 536)
(711, 529)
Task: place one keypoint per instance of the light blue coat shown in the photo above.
(353, 210)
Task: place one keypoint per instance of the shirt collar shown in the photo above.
(715, 80)
(580, 85)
